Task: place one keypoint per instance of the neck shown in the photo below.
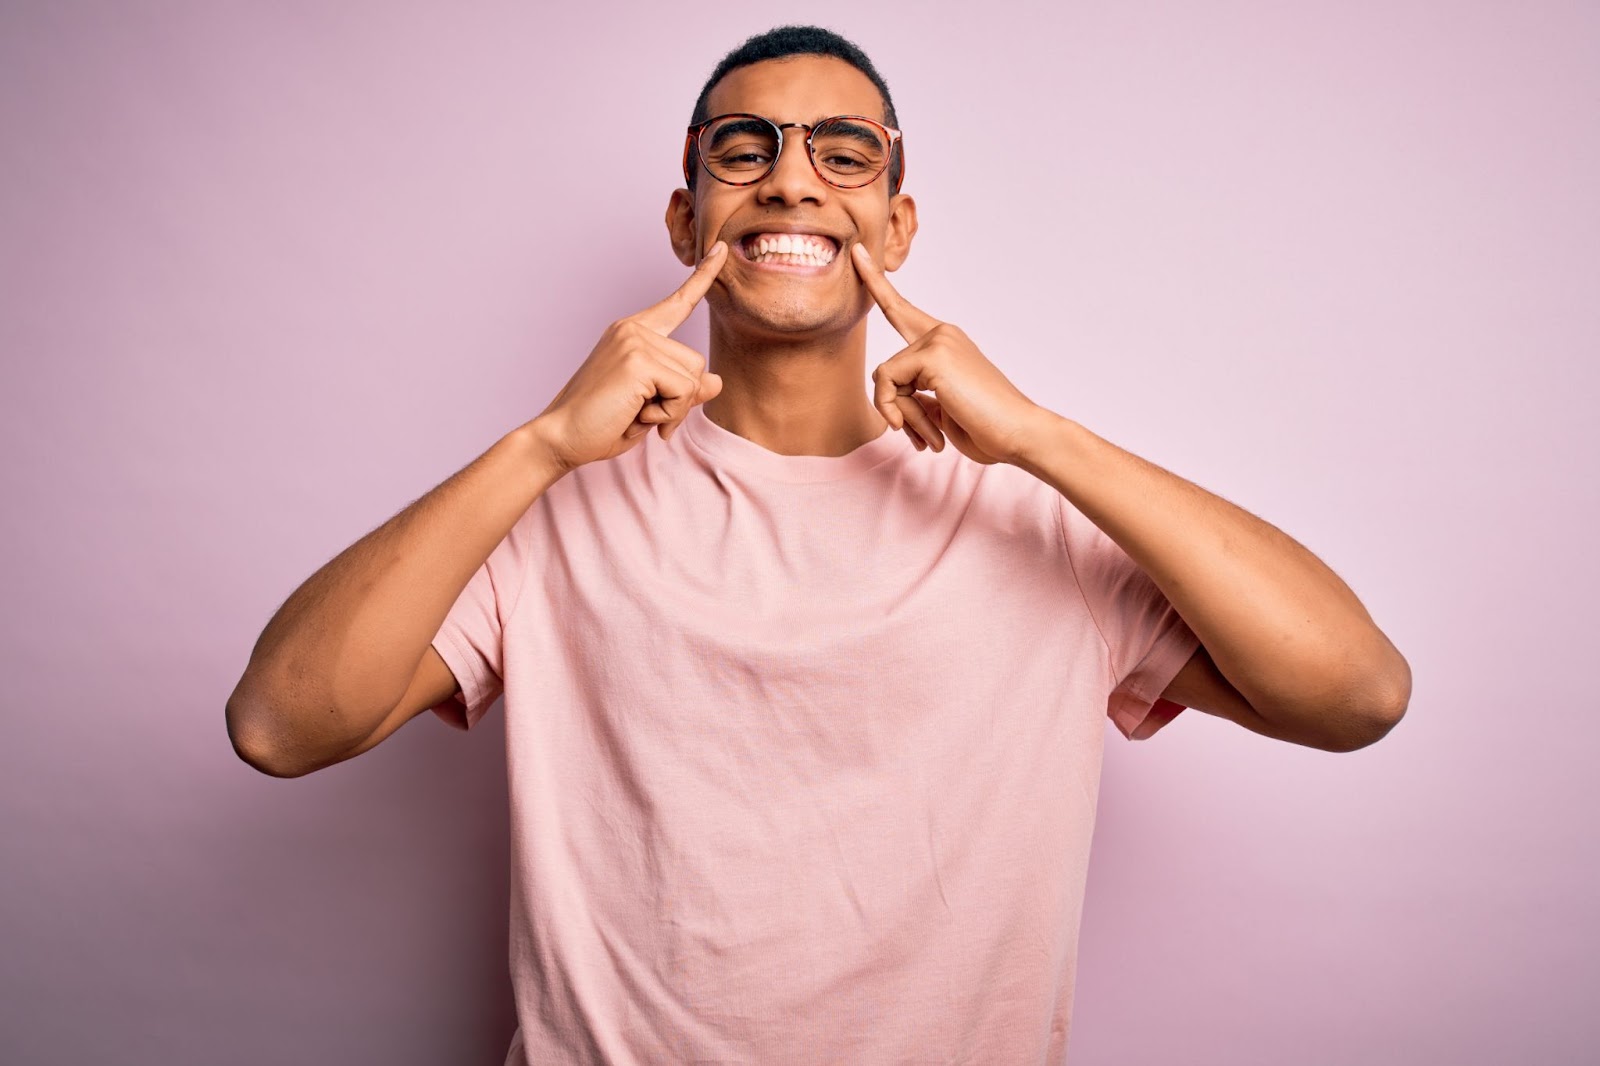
(794, 397)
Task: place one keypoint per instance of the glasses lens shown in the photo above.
(738, 148)
(850, 151)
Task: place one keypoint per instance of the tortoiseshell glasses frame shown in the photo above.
(695, 133)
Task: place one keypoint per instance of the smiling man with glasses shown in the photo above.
(805, 704)
(792, 158)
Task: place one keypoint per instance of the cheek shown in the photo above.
(714, 227)
(873, 234)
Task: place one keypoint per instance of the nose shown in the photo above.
(793, 180)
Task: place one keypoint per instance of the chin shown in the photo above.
(788, 319)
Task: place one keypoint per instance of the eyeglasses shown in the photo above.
(846, 151)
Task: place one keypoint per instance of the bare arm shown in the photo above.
(1289, 651)
(348, 648)
(1285, 634)
(347, 659)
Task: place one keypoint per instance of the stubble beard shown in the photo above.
(785, 317)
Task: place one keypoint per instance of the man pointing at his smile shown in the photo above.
(805, 692)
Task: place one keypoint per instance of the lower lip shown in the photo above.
(791, 268)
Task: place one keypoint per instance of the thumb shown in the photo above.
(710, 386)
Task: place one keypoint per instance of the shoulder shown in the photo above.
(999, 497)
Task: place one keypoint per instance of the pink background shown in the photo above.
(269, 272)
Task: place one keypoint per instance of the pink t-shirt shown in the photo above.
(804, 751)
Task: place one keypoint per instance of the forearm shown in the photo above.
(340, 652)
(1279, 624)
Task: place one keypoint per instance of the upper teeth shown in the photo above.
(806, 248)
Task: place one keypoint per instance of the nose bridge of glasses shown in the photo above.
(803, 133)
(802, 157)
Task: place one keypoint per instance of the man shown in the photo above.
(805, 696)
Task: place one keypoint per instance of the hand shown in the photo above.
(986, 417)
(636, 377)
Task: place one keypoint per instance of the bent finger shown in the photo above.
(688, 390)
(708, 386)
(671, 390)
(917, 417)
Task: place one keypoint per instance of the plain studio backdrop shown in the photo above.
(269, 272)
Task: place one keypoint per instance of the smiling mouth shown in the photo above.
(804, 250)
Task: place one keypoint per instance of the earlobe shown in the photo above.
(680, 227)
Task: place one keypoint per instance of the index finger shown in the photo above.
(910, 322)
(672, 312)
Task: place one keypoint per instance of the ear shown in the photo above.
(680, 227)
(902, 227)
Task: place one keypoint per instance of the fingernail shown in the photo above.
(720, 246)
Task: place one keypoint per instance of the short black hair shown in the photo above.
(783, 41)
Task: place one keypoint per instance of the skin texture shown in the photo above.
(791, 351)
(1287, 649)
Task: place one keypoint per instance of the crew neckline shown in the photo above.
(729, 449)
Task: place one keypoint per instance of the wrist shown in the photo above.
(535, 448)
(1045, 435)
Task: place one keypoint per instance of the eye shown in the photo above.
(839, 161)
(746, 156)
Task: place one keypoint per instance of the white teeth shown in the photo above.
(795, 248)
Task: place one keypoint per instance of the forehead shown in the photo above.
(797, 89)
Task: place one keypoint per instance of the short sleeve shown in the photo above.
(471, 639)
(1146, 640)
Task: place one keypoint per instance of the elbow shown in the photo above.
(1394, 694)
(251, 735)
(247, 738)
(1364, 731)
(1378, 709)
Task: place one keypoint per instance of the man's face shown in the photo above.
(784, 299)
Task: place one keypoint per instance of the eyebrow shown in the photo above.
(736, 128)
(855, 131)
